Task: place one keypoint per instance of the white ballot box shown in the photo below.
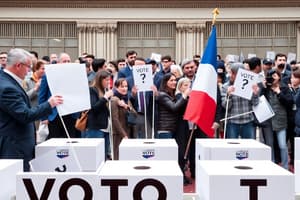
(297, 165)
(89, 152)
(297, 148)
(56, 185)
(8, 170)
(148, 149)
(243, 180)
(231, 149)
(145, 180)
(297, 175)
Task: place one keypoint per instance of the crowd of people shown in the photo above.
(26, 102)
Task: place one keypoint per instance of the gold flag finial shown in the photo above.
(215, 14)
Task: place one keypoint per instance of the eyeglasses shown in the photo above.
(28, 66)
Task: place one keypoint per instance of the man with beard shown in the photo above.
(282, 66)
(126, 72)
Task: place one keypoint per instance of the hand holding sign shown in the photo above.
(244, 82)
(142, 75)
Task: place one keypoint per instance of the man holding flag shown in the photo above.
(202, 103)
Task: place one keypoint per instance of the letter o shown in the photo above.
(137, 192)
(88, 192)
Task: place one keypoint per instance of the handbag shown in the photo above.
(81, 122)
(131, 116)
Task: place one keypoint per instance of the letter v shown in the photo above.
(32, 193)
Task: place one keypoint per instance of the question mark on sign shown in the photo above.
(245, 82)
(143, 77)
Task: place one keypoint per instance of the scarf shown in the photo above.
(121, 96)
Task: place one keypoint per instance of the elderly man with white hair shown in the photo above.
(17, 132)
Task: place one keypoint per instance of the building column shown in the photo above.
(298, 42)
(98, 38)
(189, 39)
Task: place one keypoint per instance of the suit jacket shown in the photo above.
(17, 131)
(43, 96)
(126, 72)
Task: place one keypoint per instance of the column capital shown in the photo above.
(102, 26)
(190, 26)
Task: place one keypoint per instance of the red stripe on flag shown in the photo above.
(203, 113)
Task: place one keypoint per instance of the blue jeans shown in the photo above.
(246, 130)
(165, 135)
(281, 138)
(99, 134)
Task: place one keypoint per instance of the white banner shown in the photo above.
(70, 81)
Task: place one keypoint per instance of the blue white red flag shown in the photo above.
(201, 107)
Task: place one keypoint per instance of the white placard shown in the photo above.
(251, 55)
(243, 83)
(70, 81)
(56, 160)
(270, 54)
(142, 75)
(291, 57)
(232, 58)
(156, 57)
(263, 111)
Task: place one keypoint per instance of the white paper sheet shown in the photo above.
(263, 111)
(70, 81)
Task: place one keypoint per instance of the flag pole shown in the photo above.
(69, 138)
(110, 134)
(189, 143)
(215, 13)
(226, 115)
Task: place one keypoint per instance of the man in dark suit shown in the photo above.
(17, 130)
(126, 72)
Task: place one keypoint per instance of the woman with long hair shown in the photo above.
(280, 97)
(169, 106)
(98, 116)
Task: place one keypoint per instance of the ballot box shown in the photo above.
(243, 180)
(8, 170)
(148, 149)
(231, 149)
(297, 165)
(88, 153)
(297, 148)
(58, 185)
(145, 180)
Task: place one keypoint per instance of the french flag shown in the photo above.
(201, 106)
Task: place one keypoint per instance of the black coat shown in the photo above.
(99, 112)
